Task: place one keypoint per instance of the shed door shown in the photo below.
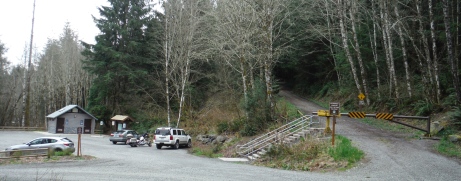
(87, 126)
(60, 125)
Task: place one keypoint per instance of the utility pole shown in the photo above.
(26, 108)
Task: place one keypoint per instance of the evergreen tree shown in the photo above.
(121, 59)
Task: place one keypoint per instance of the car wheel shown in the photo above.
(159, 146)
(176, 145)
(114, 142)
(189, 144)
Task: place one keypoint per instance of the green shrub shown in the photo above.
(343, 150)
(423, 108)
(58, 153)
(236, 125)
(62, 153)
(248, 130)
(455, 118)
(222, 127)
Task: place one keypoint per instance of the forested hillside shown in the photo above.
(229, 57)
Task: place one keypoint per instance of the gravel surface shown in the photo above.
(388, 157)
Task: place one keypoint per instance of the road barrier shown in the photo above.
(17, 128)
(25, 153)
(386, 116)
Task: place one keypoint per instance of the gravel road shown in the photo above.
(388, 157)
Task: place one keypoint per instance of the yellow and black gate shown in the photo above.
(385, 116)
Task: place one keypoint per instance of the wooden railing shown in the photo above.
(16, 128)
(25, 153)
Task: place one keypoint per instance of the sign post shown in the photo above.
(79, 132)
(361, 102)
(334, 111)
(100, 125)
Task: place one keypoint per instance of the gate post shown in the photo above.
(428, 126)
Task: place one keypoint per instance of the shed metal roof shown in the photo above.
(67, 109)
(122, 118)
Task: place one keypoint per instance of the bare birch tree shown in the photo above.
(451, 59)
(427, 54)
(352, 14)
(374, 46)
(182, 20)
(342, 7)
(238, 24)
(404, 51)
(434, 53)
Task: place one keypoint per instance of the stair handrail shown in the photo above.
(253, 146)
(275, 130)
(259, 142)
(266, 142)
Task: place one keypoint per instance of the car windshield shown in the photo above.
(162, 131)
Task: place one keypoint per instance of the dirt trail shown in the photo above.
(389, 156)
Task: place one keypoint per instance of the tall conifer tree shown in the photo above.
(121, 58)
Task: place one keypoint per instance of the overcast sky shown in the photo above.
(50, 18)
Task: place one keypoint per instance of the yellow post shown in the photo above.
(327, 128)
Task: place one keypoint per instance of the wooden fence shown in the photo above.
(16, 128)
(25, 153)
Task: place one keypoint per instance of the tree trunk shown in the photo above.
(451, 60)
(342, 17)
(434, 52)
(375, 49)
(359, 53)
(404, 52)
(426, 50)
(331, 45)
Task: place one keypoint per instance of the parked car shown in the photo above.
(55, 143)
(173, 137)
(121, 136)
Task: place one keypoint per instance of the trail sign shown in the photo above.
(334, 108)
(361, 96)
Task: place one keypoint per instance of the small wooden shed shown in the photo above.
(121, 122)
(69, 118)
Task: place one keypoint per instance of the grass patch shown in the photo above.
(62, 153)
(345, 151)
(387, 125)
(448, 148)
(312, 154)
(286, 109)
(300, 156)
(206, 150)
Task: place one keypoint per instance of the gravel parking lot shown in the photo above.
(388, 157)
